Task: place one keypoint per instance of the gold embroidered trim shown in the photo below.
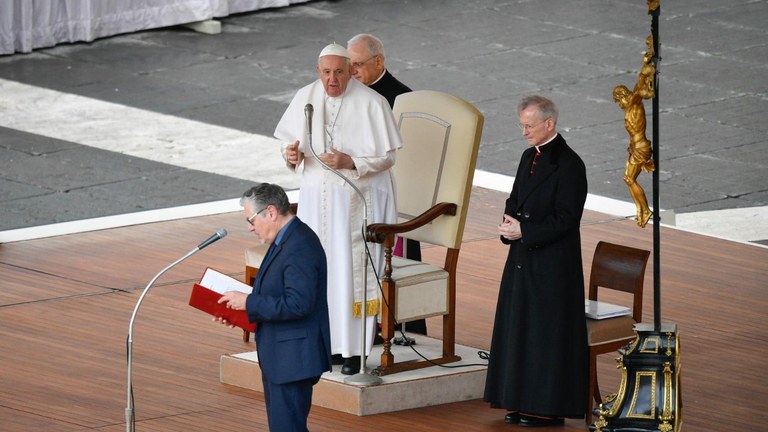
(371, 308)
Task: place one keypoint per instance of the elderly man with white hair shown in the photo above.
(353, 132)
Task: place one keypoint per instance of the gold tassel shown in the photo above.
(371, 308)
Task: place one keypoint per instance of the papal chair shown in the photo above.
(620, 268)
(433, 176)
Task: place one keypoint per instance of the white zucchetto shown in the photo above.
(334, 49)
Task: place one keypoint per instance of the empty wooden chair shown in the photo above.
(620, 268)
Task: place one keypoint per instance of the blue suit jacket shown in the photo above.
(290, 304)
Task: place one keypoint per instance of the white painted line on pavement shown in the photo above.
(503, 183)
(128, 219)
(219, 150)
(145, 134)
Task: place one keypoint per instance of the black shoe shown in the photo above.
(337, 359)
(351, 366)
(512, 417)
(530, 421)
(378, 340)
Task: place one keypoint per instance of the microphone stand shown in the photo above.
(130, 414)
(361, 378)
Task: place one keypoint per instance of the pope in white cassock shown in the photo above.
(354, 132)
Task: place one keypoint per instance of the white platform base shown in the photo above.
(211, 27)
(413, 389)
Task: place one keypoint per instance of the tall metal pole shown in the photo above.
(651, 376)
(656, 217)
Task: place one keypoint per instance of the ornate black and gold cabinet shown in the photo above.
(649, 396)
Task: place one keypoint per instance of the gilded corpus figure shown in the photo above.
(640, 151)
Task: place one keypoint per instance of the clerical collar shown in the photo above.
(379, 78)
(538, 147)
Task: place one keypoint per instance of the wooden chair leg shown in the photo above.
(250, 277)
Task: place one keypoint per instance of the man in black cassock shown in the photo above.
(538, 367)
(367, 55)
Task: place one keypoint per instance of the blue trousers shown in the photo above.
(288, 404)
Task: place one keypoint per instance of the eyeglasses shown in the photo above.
(524, 127)
(250, 219)
(358, 64)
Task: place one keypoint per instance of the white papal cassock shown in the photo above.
(359, 123)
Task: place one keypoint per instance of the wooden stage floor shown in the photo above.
(66, 302)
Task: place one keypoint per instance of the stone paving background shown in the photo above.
(712, 92)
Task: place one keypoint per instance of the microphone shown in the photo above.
(220, 234)
(130, 411)
(308, 111)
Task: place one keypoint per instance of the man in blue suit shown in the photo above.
(289, 303)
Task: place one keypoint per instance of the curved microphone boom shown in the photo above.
(130, 415)
(308, 111)
(361, 378)
(218, 235)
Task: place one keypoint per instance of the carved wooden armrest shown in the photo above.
(381, 232)
(385, 233)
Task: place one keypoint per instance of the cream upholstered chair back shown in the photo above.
(433, 175)
(441, 136)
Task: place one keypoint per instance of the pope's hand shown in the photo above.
(337, 160)
(292, 153)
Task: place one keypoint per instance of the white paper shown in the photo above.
(600, 310)
(221, 283)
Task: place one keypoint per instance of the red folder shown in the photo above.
(206, 300)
